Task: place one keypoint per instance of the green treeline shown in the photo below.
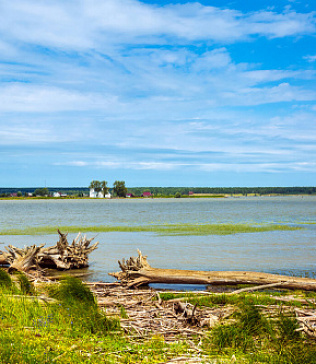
(168, 191)
(171, 191)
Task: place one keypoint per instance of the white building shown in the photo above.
(59, 194)
(95, 194)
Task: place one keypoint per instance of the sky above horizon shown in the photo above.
(158, 93)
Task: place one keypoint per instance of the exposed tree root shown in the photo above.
(60, 256)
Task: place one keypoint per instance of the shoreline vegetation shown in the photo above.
(72, 322)
(194, 196)
(153, 192)
(165, 229)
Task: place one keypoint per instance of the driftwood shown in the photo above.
(146, 314)
(60, 256)
(307, 322)
(22, 259)
(137, 271)
(65, 256)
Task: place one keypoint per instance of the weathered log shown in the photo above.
(60, 256)
(137, 271)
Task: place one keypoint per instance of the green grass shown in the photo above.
(251, 336)
(74, 329)
(166, 229)
(242, 299)
(259, 339)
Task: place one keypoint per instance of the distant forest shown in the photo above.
(172, 191)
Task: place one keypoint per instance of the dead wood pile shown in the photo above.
(137, 271)
(144, 314)
(60, 256)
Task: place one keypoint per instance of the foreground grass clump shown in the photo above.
(5, 281)
(165, 229)
(79, 304)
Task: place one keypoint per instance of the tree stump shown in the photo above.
(60, 256)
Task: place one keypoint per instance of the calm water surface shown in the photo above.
(289, 252)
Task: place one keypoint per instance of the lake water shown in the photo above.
(287, 252)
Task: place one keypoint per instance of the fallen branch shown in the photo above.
(137, 271)
(256, 288)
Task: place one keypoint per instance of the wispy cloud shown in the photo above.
(123, 86)
(38, 98)
(310, 58)
(207, 167)
(90, 24)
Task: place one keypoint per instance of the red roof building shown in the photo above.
(146, 194)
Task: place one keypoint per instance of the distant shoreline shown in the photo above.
(148, 198)
(158, 192)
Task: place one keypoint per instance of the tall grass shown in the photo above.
(5, 280)
(259, 339)
(79, 304)
(73, 330)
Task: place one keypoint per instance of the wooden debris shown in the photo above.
(307, 321)
(146, 315)
(60, 256)
(137, 271)
(22, 259)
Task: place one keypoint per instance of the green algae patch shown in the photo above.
(165, 229)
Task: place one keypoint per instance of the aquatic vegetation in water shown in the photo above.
(163, 229)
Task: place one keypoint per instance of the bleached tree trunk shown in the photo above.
(137, 271)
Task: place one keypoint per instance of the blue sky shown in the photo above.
(158, 93)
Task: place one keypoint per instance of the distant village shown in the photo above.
(96, 189)
(100, 190)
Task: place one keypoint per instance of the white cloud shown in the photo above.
(283, 92)
(276, 25)
(158, 88)
(207, 167)
(310, 59)
(94, 24)
(212, 60)
(35, 98)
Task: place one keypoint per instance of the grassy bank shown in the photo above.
(166, 229)
(69, 327)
